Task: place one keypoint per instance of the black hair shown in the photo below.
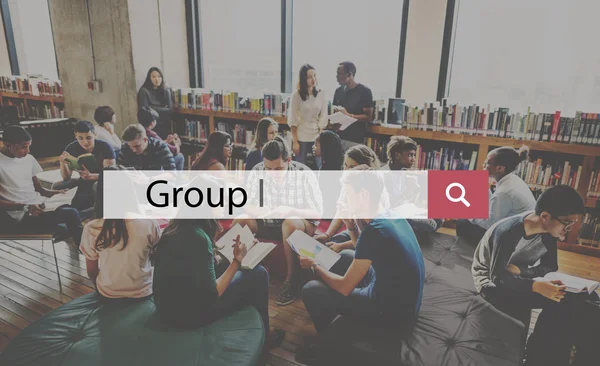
(303, 82)
(146, 116)
(349, 67)
(84, 127)
(16, 135)
(332, 153)
(400, 144)
(214, 148)
(561, 200)
(103, 114)
(148, 82)
(509, 158)
(275, 149)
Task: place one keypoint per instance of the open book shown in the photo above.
(574, 284)
(58, 200)
(84, 159)
(306, 246)
(256, 252)
(344, 120)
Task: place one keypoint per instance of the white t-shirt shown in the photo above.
(104, 135)
(308, 115)
(123, 272)
(16, 184)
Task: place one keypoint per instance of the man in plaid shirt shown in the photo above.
(286, 194)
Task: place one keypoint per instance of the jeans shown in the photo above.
(45, 223)
(305, 148)
(425, 225)
(341, 237)
(324, 304)
(179, 160)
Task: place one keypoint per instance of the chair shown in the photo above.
(42, 237)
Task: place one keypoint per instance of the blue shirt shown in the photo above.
(101, 151)
(254, 157)
(393, 249)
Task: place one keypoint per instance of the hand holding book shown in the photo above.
(239, 250)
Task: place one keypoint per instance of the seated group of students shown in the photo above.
(380, 275)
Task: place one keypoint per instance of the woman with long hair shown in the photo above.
(216, 154)
(155, 94)
(190, 288)
(328, 147)
(308, 113)
(117, 251)
(266, 130)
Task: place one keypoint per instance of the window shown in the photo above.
(367, 33)
(33, 37)
(241, 45)
(538, 53)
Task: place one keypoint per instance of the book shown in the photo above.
(574, 284)
(344, 120)
(306, 246)
(59, 200)
(256, 252)
(88, 160)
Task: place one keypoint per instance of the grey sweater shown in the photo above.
(505, 242)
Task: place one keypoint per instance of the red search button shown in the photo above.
(457, 194)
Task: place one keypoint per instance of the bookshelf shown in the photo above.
(32, 107)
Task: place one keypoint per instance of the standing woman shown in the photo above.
(308, 113)
(156, 95)
(266, 130)
(216, 154)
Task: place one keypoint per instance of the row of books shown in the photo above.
(227, 101)
(594, 185)
(30, 84)
(194, 129)
(539, 174)
(584, 128)
(242, 134)
(37, 110)
(589, 234)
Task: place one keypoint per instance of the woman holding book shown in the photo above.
(191, 289)
(216, 154)
(154, 93)
(511, 197)
(328, 147)
(266, 130)
(308, 113)
(117, 251)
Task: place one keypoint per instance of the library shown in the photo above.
(505, 90)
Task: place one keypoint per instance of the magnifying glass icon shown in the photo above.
(462, 194)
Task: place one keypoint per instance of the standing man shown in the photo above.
(354, 100)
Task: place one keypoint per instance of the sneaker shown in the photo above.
(286, 294)
(306, 354)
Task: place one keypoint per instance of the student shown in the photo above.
(401, 154)
(22, 195)
(144, 153)
(511, 197)
(354, 100)
(328, 148)
(154, 93)
(85, 143)
(266, 130)
(292, 195)
(148, 118)
(191, 291)
(355, 156)
(117, 251)
(216, 154)
(308, 113)
(106, 118)
(505, 271)
(382, 281)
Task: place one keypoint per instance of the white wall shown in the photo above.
(4, 60)
(147, 31)
(424, 36)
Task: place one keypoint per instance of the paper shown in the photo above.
(58, 200)
(256, 252)
(306, 246)
(53, 176)
(574, 284)
(344, 120)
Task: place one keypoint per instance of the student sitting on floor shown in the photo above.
(106, 118)
(328, 148)
(144, 153)
(266, 130)
(287, 194)
(511, 197)
(401, 154)
(191, 290)
(382, 281)
(117, 251)
(355, 156)
(505, 273)
(148, 118)
(22, 196)
(216, 154)
(85, 143)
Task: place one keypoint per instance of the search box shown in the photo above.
(458, 194)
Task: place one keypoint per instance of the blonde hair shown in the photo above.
(363, 155)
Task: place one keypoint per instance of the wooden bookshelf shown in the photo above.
(7, 97)
(483, 142)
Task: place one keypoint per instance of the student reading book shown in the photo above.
(257, 251)
(84, 161)
(574, 284)
(304, 245)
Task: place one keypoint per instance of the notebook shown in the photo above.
(344, 120)
(574, 284)
(58, 200)
(304, 245)
(256, 252)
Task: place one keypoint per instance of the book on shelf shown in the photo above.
(33, 84)
(256, 251)
(542, 174)
(194, 129)
(242, 134)
(589, 233)
(574, 284)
